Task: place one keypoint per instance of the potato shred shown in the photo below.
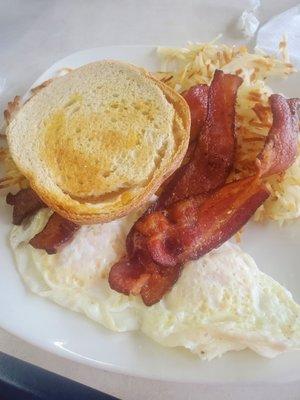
(182, 68)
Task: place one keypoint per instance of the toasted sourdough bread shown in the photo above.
(98, 142)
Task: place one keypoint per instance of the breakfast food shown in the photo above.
(166, 268)
(195, 64)
(98, 142)
(221, 302)
(206, 212)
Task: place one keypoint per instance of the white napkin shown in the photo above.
(285, 24)
(248, 22)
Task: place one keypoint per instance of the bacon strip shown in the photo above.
(26, 203)
(197, 97)
(205, 171)
(213, 156)
(57, 232)
(280, 149)
(150, 280)
(187, 231)
(163, 239)
(190, 237)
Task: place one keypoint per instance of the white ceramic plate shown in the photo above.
(46, 325)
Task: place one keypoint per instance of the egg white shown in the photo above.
(221, 302)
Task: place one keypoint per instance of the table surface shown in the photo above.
(33, 35)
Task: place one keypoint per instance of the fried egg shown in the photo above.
(221, 302)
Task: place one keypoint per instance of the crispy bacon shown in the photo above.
(160, 281)
(280, 149)
(197, 97)
(213, 156)
(150, 280)
(163, 240)
(187, 230)
(140, 275)
(205, 171)
(176, 234)
(136, 245)
(165, 237)
(26, 203)
(57, 232)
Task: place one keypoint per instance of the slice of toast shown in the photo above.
(98, 142)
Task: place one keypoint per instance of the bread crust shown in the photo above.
(181, 123)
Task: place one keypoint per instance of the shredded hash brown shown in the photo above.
(182, 68)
